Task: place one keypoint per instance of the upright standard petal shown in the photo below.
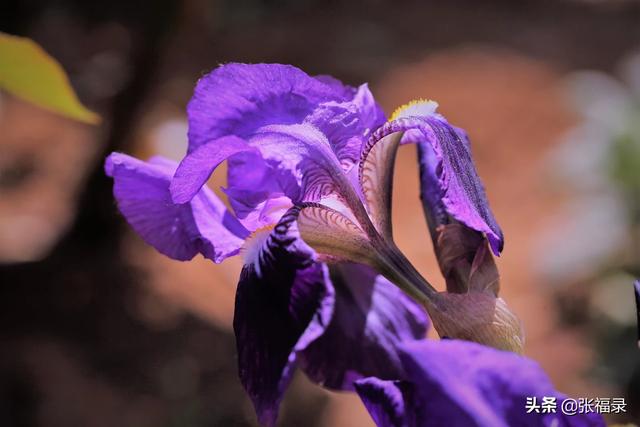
(237, 99)
(284, 302)
(179, 231)
(458, 383)
(451, 182)
(250, 101)
(348, 124)
(371, 318)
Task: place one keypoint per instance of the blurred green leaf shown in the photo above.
(28, 72)
(625, 162)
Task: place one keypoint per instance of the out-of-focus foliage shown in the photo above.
(596, 247)
(28, 72)
(625, 166)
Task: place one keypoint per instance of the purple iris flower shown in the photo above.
(323, 286)
(288, 138)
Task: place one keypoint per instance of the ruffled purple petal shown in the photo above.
(446, 160)
(459, 383)
(371, 114)
(237, 99)
(197, 166)
(284, 302)
(348, 124)
(371, 318)
(278, 103)
(179, 231)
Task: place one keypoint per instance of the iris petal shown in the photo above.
(348, 124)
(255, 188)
(458, 383)
(301, 150)
(306, 150)
(251, 101)
(271, 106)
(277, 315)
(371, 317)
(284, 302)
(236, 99)
(447, 154)
(179, 231)
(389, 402)
(196, 168)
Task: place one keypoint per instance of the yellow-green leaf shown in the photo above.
(28, 72)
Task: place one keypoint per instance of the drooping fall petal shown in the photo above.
(179, 231)
(284, 302)
(463, 384)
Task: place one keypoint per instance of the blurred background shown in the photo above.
(97, 329)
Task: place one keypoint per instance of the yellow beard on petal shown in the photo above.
(417, 107)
